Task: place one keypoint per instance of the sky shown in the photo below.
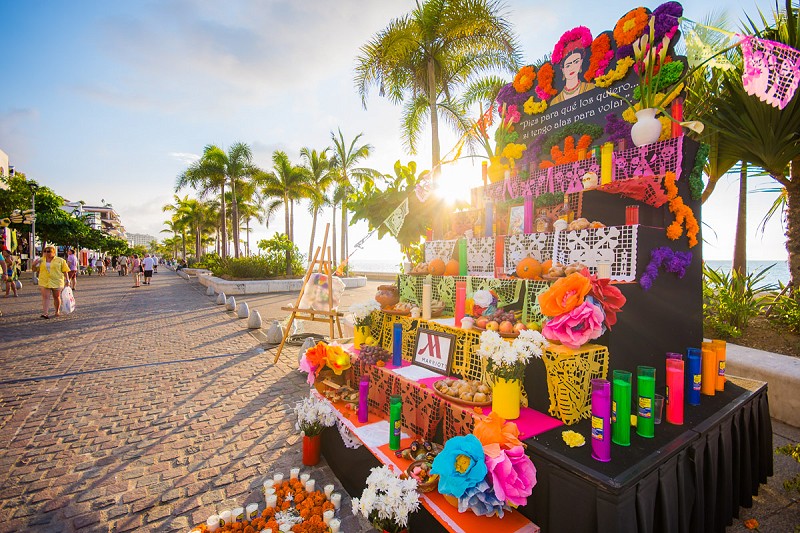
(111, 101)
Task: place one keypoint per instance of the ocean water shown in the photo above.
(779, 272)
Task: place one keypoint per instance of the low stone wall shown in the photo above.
(781, 372)
(264, 286)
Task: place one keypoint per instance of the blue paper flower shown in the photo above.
(460, 465)
(482, 500)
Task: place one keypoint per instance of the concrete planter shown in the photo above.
(265, 286)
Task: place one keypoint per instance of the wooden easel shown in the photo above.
(322, 262)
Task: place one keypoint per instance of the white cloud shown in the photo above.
(184, 157)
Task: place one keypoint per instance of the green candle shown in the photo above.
(646, 392)
(462, 257)
(621, 408)
(395, 419)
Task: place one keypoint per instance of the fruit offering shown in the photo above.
(558, 270)
(504, 322)
(403, 307)
(373, 354)
(420, 269)
(465, 389)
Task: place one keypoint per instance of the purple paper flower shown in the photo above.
(508, 95)
(666, 19)
(617, 129)
(671, 261)
(482, 500)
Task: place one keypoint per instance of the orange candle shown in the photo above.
(709, 370)
(720, 347)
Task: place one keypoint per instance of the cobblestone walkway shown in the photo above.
(148, 409)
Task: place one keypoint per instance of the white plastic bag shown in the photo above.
(35, 279)
(67, 301)
(17, 284)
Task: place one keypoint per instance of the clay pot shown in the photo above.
(387, 296)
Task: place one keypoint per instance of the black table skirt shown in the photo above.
(691, 478)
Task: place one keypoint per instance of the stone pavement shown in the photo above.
(151, 408)
(147, 409)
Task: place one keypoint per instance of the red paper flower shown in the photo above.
(606, 295)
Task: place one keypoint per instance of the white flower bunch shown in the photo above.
(510, 357)
(313, 415)
(360, 314)
(387, 500)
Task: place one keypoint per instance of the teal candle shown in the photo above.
(462, 257)
(621, 408)
(395, 421)
(646, 392)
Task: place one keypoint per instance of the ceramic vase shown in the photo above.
(311, 450)
(647, 129)
(506, 397)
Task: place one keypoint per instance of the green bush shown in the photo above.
(793, 451)
(731, 299)
(785, 311)
(277, 250)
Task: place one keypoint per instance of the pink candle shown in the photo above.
(675, 391)
(461, 298)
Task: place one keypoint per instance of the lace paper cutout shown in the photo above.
(771, 71)
(441, 249)
(350, 441)
(569, 377)
(480, 257)
(507, 290)
(649, 160)
(616, 244)
(518, 247)
(397, 218)
(530, 308)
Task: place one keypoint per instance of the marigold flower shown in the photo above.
(523, 81)
(751, 523)
(630, 26)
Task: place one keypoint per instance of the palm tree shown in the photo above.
(347, 174)
(423, 59)
(320, 178)
(286, 183)
(206, 175)
(767, 136)
(249, 203)
(178, 222)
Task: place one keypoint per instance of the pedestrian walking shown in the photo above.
(72, 263)
(10, 270)
(155, 264)
(136, 267)
(123, 265)
(114, 263)
(52, 277)
(4, 271)
(106, 264)
(147, 268)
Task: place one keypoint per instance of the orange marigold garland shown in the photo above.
(570, 152)
(683, 213)
(544, 89)
(601, 57)
(523, 81)
(630, 26)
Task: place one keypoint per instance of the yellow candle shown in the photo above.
(606, 162)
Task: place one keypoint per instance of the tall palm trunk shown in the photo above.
(793, 222)
(235, 219)
(291, 220)
(183, 242)
(222, 227)
(435, 150)
(248, 236)
(343, 251)
(333, 235)
(740, 244)
(313, 233)
(197, 244)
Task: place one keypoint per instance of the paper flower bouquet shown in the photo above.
(324, 355)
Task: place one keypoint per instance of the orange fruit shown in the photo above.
(452, 269)
(436, 267)
(529, 268)
(506, 327)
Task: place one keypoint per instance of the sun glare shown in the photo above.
(455, 182)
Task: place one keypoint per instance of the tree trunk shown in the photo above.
(291, 220)
(313, 234)
(223, 229)
(793, 223)
(197, 243)
(235, 219)
(287, 226)
(333, 234)
(438, 219)
(183, 241)
(740, 244)
(343, 250)
(248, 236)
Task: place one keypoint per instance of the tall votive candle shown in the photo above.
(675, 381)
(693, 376)
(621, 408)
(646, 393)
(708, 384)
(601, 420)
(720, 348)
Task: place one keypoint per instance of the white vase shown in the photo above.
(647, 129)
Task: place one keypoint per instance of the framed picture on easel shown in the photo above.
(434, 350)
(516, 220)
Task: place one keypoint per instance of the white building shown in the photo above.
(137, 239)
(103, 218)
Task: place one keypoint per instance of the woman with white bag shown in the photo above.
(52, 275)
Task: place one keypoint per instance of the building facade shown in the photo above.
(102, 218)
(139, 239)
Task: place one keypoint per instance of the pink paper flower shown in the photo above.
(576, 328)
(513, 473)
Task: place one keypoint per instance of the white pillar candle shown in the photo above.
(252, 511)
(213, 522)
(238, 514)
(328, 490)
(269, 486)
(327, 516)
(272, 500)
(304, 478)
(334, 524)
(294, 473)
(277, 478)
(225, 517)
(336, 500)
(310, 485)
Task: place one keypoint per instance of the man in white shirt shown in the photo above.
(147, 267)
(123, 265)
